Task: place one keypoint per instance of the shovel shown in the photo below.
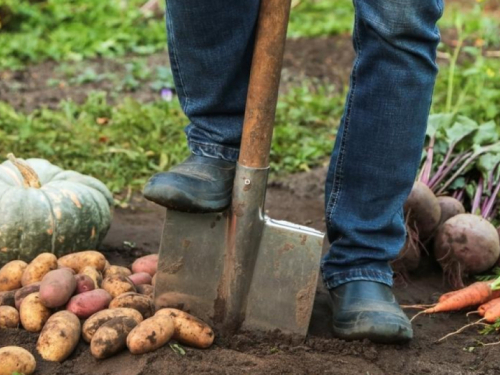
(239, 269)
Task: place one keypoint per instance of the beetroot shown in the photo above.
(408, 259)
(449, 207)
(466, 245)
(423, 209)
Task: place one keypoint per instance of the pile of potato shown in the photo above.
(81, 294)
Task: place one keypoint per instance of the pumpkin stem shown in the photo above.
(30, 178)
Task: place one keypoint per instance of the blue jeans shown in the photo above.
(381, 135)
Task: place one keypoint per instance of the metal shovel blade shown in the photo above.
(240, 269)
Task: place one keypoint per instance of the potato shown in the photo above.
(106, 265)
(139, 302)
(117, 270)
(67, 268)
(15, 359)
(77, 261)
(86, 304)
(9, 317)
(38, 268)
(94, 274)
(118, 284)
(140, 278)
(84, 284)
(145, 289)
(11, 274)
(148, 263)
(57, 287)
(153, 280)
(93, 323)
(8, 298)
(59, 336)
(189, 330)
(111, 337)
(33, 313)
(150, 334)
(23, 292)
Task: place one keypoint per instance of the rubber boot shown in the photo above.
(368, 310)
(199, 185)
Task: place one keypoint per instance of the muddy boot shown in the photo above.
(199, 184)
(368, 310)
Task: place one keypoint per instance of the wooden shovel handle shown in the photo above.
(264, 83)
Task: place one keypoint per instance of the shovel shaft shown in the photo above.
(264, 83)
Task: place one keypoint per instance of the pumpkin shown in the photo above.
(44, 208)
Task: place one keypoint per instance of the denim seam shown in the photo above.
(338, 175)
(356, 275)
(216, 146)
(176, 61)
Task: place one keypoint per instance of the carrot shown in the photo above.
(493, 313)
(473, 295)
(488, 305)
(494, 294)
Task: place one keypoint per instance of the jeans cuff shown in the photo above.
(215, 151)
(335, 279)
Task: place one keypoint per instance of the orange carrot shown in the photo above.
(473, 295)
(494, 293)
(493, 313)
(488, 305)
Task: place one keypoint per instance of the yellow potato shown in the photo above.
(145, 289)
(111, 337)
(11, 274)
(150, 334)
(59, 336)
(9, 317)
(38, 268)
(189, 330)
(15, 359)
(93, 323)
(77, 261)
(106, 265)
(139, 302)
(116, 270)
(33, 313)
(94, 274)
(118, 284)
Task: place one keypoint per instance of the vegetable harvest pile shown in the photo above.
(82, 295)
(452, 214)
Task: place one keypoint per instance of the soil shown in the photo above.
(136, 231)
(324, 59)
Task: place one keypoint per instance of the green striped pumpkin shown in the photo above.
(44, 208)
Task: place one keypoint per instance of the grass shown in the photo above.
(123, 145)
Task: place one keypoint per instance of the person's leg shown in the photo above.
(377, 151)
(210, 48)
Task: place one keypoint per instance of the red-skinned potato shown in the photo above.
(57, 287)
(94, 274)
(84, 284)
(141, 278)
(86, 304)
(148, 263)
